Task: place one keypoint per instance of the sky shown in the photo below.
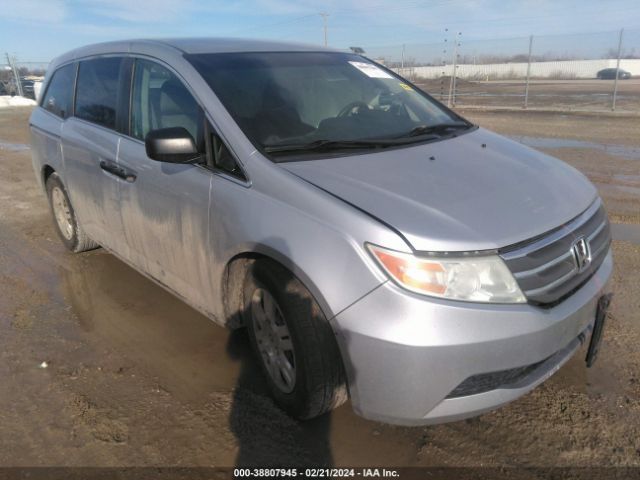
(39, 30)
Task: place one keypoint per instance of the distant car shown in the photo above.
(27, 88)
(610, 74)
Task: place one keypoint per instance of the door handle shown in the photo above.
(118, 171)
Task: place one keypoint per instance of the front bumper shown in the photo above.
(405, 354)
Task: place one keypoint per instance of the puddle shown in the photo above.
(192, 358)
(626, 232)
(190, 355)
(623, 151)
(14, 147)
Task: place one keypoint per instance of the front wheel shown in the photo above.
(293, 342)
(64, 217)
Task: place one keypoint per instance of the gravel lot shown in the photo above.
(135, 377)
(561, 95)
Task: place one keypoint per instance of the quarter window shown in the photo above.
(160, 100)
(58, 98)
(97, 92)
(222, 158)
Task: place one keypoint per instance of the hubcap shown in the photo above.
(274, 340)
(62, 212)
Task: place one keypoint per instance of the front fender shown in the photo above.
(320, 238)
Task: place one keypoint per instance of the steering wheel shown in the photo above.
(348, 110)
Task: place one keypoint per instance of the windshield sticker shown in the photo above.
(370, 70)
(406, 87)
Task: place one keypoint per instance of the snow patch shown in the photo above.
(9, 101)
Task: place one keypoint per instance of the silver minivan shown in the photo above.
(375, 245)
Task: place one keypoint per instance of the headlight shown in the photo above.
(474, 278)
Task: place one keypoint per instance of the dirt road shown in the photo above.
(100, 367)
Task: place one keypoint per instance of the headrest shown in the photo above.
(175, 99)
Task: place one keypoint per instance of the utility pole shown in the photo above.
(526, 88)
(452, 84)
(615, 82)
(16, 75)
(324, 23)
(444, 65)
(402, 61)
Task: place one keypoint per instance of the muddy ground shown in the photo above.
(135, 377)
(561, 95)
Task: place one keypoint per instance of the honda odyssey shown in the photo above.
(376, 245)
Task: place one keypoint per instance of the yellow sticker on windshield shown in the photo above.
(406, 87)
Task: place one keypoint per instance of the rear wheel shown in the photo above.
(293, 342)
(64, 217)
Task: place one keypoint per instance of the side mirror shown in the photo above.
(171, 145)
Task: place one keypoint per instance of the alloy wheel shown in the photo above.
(274, 340)
(62, 212)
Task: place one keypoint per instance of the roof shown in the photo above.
(222, 45)
(186, 45)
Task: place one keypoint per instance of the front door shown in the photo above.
(165, 211)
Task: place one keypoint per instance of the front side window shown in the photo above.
(293, 99)
(160, 100)
(97, 90)
(58, 99)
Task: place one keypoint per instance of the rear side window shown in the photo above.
(97, 91)
(58, 99)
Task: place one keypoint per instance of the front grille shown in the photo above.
(485, 382)
(546, 269)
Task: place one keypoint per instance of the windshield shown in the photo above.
(293, 99)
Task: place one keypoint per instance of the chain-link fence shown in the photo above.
(596, 71)
(21, 78)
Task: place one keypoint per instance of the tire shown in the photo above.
(64, 217)
(316, 380)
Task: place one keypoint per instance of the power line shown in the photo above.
(275, 24)
(423, 3)
(513, 20)
(518, 19)
(345, 12)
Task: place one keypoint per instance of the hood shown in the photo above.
(478, 191)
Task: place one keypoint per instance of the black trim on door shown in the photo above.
(73, 93)
(123, 106)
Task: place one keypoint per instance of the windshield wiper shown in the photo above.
(438, 128)
(326, 145)
(323, 145)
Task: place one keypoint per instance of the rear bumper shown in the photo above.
(405, 354)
